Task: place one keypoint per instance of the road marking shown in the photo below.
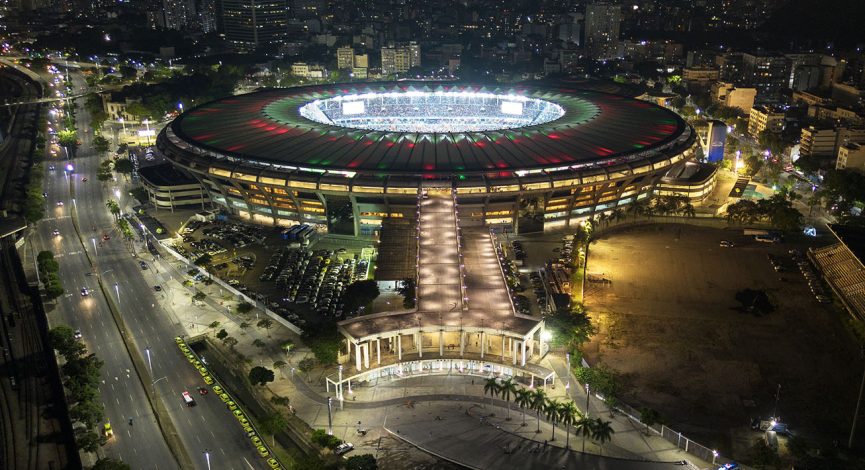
(247, 462)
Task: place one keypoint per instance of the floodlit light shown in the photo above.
(69, 168)
(546, 336)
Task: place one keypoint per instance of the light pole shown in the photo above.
(207, 458)
(95, 251)
(149, 362)
(339, 388)
(117, 290)
(330, 416)
(568, 384)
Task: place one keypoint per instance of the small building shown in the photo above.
(700, 76)
(168, 188)
(731, 96)
(851, 156)
(694, 180)
(817, 142)
(765, 118)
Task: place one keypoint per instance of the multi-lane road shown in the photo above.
(208, 427)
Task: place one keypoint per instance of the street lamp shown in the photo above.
(330, 416)
(207, 458)
(568, 384)
(95, 251)
(149, 362)
(117, 290)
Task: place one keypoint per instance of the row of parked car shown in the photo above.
(238, 235)
(811, 276)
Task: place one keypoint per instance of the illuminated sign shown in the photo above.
(353, 107)
(512, 107)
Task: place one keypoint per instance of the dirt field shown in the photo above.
(669, 324)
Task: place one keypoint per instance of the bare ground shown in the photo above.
(669, 324)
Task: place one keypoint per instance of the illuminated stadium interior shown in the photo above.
(432, 112)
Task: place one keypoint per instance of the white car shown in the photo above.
(56, 233)
(59, 203)
(187, 398)
(343, 448)
(77, 334)
(85, 292)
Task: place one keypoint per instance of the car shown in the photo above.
(256, 441)
(202, 391)
(823, 299)
(187, 398)
(217, 389)
(343, 448)
(84, 179)
(60, 203)
(106, 431)
(727, 244)
(157, 288)
(142, 264)
(77, 334)
(231, 405)
(85, 292)
(262, 451)
(50, 167)
(238, 414)
(208, 380)
(178, 340)
(56, 232)
(273, 463)
(105, 237)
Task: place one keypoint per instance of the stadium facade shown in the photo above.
(344, 158)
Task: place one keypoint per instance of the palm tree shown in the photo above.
(113, 207)
(601, 431)
(583, 425)
(688, 210)
(523, 399)
(618, 214)
(507, 389)
(492, 387)
(551, 411)
(539, 398)
(568, 414)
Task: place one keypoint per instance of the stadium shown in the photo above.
(346, 158)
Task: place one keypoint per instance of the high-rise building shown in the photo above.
(602, 30)
(768, 73)
(176, 14)
(765, 118)
(345, 58)
(250, 24)
(399, 59)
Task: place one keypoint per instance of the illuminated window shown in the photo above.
(333, 187)
(273, 181)
(472, 190)
(301, 184)
(367, 189)
(220, 172)
(535, 186)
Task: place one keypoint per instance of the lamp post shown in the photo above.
(568, 384)
(207, 458)
(330, 416)
(149, 362)
(117, 290)
(95, 251)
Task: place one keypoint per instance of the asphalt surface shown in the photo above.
(208, 427)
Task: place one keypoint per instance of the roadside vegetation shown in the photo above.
(81, 377)
(49, 272)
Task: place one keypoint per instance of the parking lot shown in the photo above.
(670, 324)
(301, 283)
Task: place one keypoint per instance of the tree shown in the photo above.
(101, 144)
(602, 431)
(265, 323)
(89, 412)
(230, 341)
(279, 364)
(583, 426)
(113, 207)
(491, 386)
(88, 441)
(360, 293)
(523, 399)
(110, 464)
(649, 417)
(203, 260)
(569, 329)
(124, 166)
(407, 289)
(62, 338)
(550, 409)
(258, 343)
(507, 389)
(244, 307)
(221, 335)
(539, 398)
(68, 138)
(568, 414)
(273, 424)
(244, 325)
(260, 375)
(361, 462)
(305, 365)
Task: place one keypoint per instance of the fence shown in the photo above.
(670, 435)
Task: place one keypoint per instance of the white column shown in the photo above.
(503, 347)
(419, 338)
(514, 351)
(357, 355)
(523, 343)
(399, 347)
(366, 355)
(441, 343)
(348, 348)
(462, 342)
(483, 345)
(378, 351)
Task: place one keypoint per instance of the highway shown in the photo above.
(210, 426)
